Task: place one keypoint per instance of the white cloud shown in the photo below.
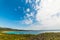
(27, 1)
(27, 21)
(47, 9)
(28, 10)
(44, 16)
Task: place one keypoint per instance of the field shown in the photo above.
(43, 36)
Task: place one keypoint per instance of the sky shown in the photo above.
(30, 14)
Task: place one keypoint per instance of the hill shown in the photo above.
(8, 29)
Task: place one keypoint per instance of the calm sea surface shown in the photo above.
(31, 32)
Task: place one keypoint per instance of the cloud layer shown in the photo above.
(48, 9)
(48, 15)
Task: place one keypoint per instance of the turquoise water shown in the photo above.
(24, 32)
(31, 32)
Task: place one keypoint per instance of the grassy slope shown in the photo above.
(43, 36)
(48, 36)
(15, 37)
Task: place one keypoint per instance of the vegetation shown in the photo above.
(8, 29)
(42, 36)
(48, 36)
(15, 37)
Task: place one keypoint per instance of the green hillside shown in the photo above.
(8, 29)
(48, 36)
(42, 36)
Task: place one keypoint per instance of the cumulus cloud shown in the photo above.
(27, 21)
(47, 9)
(48, 16)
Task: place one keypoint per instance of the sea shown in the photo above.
(32, 31)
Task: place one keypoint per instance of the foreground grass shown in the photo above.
(48, 36)
(43, 36)
(15, 37)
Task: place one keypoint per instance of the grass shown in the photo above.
(15, 36)
(42, 36)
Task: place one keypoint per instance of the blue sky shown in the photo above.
(17, 13)
(30, 14)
